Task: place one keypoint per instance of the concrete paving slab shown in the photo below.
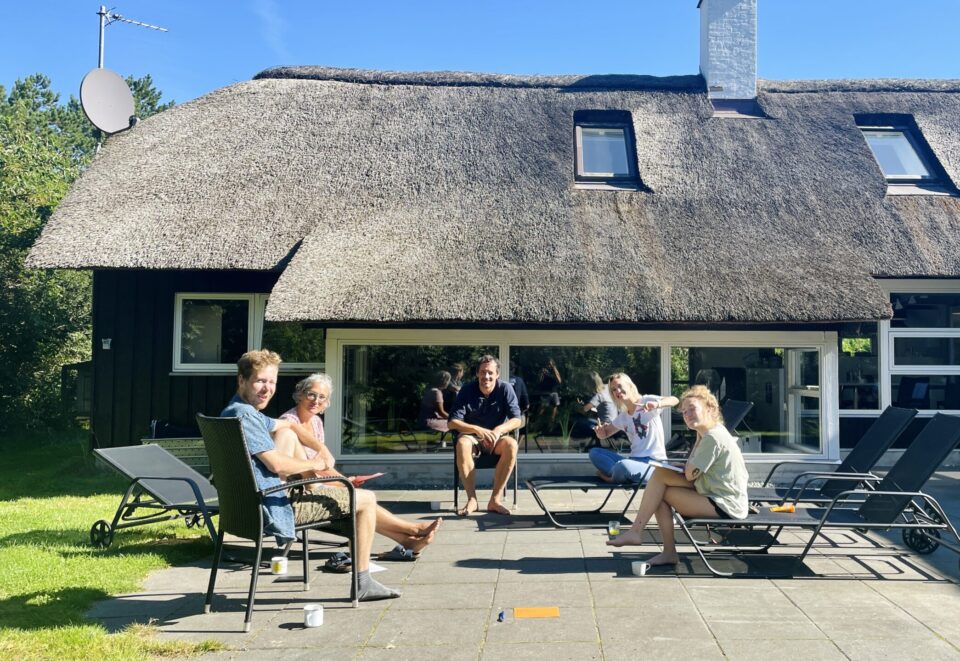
(662, 649)
(902, 650)
(759, 649)
(463, 627)
(565, 594)
(435, 653)
(673, 621)
(420, 596)
(565, 651)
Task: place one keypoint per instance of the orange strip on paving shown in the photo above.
(545, 611)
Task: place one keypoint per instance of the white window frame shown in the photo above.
(888, 335)
(908, 135)
(255, 323)
(823, 341)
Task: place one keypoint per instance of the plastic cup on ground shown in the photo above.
(312, 615)
(435, 505)
(278, 565)
(613, 528)
(640, 568)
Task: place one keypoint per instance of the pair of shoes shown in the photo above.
(338, 563)
(399, 553)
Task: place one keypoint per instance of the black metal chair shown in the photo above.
(484, 462)
(852, 472)
(241, 512)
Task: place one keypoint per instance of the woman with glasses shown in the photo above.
(312, 396)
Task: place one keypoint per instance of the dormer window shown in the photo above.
(605, 152)
(903, 155)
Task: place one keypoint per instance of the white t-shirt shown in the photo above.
(644, 429)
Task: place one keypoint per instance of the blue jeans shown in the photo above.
(632, 469)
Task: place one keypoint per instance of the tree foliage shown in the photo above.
(44, 314)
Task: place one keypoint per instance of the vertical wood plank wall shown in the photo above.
(133, 381)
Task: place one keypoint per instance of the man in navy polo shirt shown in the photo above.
(485, 412)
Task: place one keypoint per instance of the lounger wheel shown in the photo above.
(920, 542)
(101, 534)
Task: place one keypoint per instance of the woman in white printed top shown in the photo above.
(639, 418)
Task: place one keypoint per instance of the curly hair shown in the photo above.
(710, 402)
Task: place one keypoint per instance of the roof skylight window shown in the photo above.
(904, 157)
(605, 153)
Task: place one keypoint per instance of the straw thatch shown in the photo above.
(449, 197)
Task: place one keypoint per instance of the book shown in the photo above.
(361, 479)
(667, 465)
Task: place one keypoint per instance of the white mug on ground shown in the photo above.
(640, 568)
(278, 564)
(435, 505)
(312, 615)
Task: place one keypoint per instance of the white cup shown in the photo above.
(312, 615)
(278, 564)
(435, 505)
(640, 568)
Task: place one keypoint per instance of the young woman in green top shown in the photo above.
(713, 483)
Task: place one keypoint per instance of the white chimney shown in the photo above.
(728, 48)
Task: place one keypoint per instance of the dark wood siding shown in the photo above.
(133, 381)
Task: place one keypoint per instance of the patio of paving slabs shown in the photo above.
(851, 598)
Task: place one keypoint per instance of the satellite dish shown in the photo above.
(106, 100)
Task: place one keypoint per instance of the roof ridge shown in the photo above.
(472, 79)
(875, 85)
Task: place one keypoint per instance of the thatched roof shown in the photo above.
(449, 197)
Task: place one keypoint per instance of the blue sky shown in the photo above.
(214, 43)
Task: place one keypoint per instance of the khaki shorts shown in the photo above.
(321, 504)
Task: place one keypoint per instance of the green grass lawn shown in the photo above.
(50, 495)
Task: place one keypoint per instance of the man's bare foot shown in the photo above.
(603, 476)
(629, 538)
(664, 559)
(430, 527)
(497, 508)
(469, 508)
(417, 544)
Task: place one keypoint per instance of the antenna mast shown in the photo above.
(108, 17)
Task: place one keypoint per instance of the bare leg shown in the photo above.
(411, 535)
(464, 452)
(652, 499)
(506, 448)
(366, 527)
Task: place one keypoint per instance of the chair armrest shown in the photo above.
(777, 465)
(312, 480)
(813, 476)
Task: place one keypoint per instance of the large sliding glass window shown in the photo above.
(560, 382)
(392, 384)
(924, 350)
(385, 386)
(783, 384)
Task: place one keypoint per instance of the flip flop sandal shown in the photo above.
(338, 563)
(399, 553)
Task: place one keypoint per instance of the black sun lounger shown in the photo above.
(852, 472)
(161, 488)
(536, 484)
(897, 502)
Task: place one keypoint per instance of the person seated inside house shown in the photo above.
(273, 463)
(548, 387)
(713, 483)
(433, 414)
(484, 414)
(600, 404)
(457, 371)
(639, 418)
(305, 441)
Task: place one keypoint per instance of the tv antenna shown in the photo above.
(104, 96)
(108, 17)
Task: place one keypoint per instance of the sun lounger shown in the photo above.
(585, 484)
(161, 488)
(897, 502)
(852, 473)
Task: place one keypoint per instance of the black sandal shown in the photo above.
(339, 563)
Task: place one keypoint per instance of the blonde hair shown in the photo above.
(710, 402)
(628, 385)
(253, 361)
